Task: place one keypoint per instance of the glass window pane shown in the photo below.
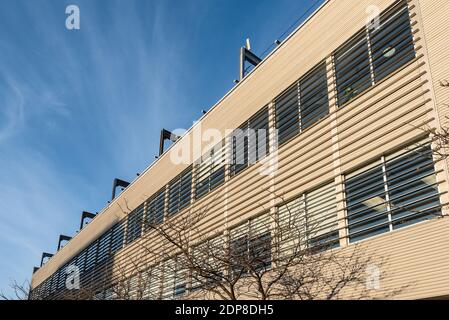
(413, 188)
(134, 228)
(314, 99)
(118, 232)
(251, 245)
(352, 68)
(287, 114)
(392, 43)
(250, 142)
(366, 205)
(180, 190)
(322, 226)
(210, 171)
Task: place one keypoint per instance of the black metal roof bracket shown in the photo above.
(166, 135)
(84, 216)
(45, 255)
(118, 183)
(247, 56)
(63, 238)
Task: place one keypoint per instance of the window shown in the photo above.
(250, 245)
(352, 68)
(135, 287)
(321, 210)
(314, 100)
(250, 142)
(104, 246)
(374, 53)
(175, 279)
(61, 278)
(156, 208)
(305, 103)
(135, 220)
(210, 171)
(287, 114)
(366, 204)
(54, 282)
(392, 43)
(109, 294)
(153, 278)
(81, 260)
(91, 256)
(181, 272)
(292, 225)
(412, 188)
(395, 192)
(310, 220)
(169, 279)
(206, 256)
(46, 287)
(118, 232)
(179, 192)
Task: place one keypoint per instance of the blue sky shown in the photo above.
(79, 108)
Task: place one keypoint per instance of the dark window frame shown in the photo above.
(398, 209)
(363, 76)
(303, 104)
(247, 144)
(179, 192)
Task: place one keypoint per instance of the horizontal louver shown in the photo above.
(210, 171)
(155, 209)
(303, 104)
(374, 53)
(134, 227)
(250, 142)
(395, 193)
(250, 245)
(392, 43)
(118, 233)
(154, 279)
(179, 192)
(310, 221)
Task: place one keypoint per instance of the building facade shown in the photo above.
(347, 102)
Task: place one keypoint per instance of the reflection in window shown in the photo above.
(135, 221)
(310, 221)
(210, 171)
(392, 43)
(352, 68)
(374, 53)
(250, 142)
(155, 209)
(250, 245)
(400, 191)
(366, 204)
(303, 104)
(179, 192)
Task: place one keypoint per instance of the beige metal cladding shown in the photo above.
(388, 115)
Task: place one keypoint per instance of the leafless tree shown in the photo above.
(20, 291)
(275, 260)
(440, 137)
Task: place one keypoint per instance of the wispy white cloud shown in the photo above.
(11, 111)
(78, 109)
